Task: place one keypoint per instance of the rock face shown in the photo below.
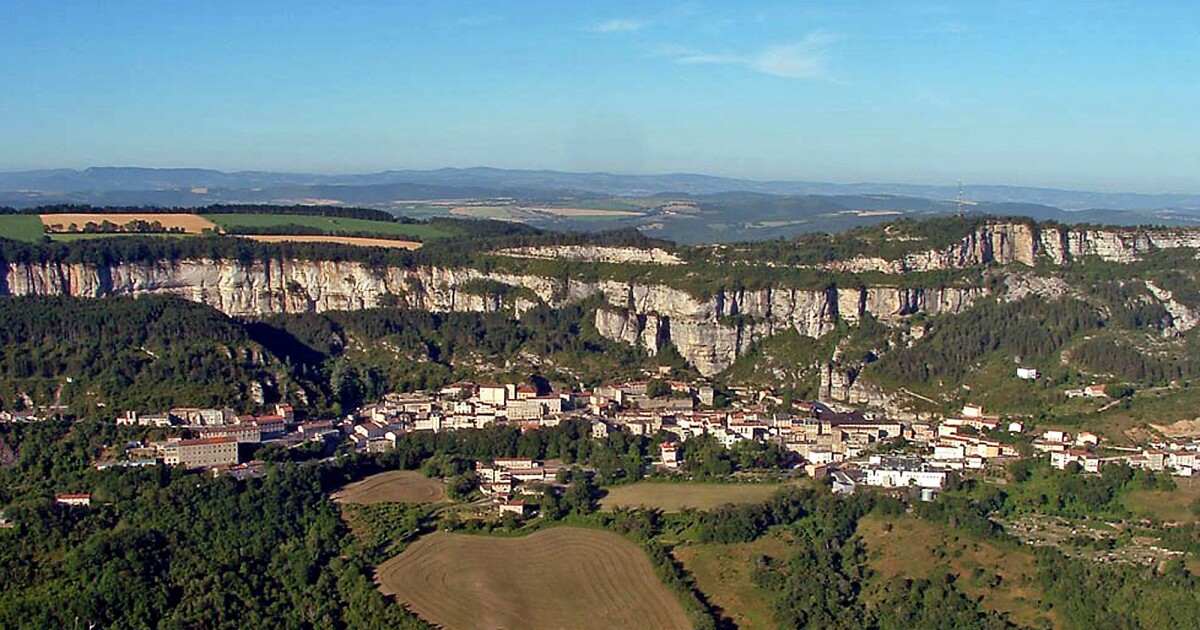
(713, 332)
(595, 253)
(1007, 243)
(710, 332)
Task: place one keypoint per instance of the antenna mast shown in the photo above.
(961, 203)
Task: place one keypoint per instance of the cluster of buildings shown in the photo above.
(216, 423)
(824, 438)
(507, 480)
(893, 472)
(1178, 458)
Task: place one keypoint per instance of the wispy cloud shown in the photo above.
(805, 59)
(618, 26)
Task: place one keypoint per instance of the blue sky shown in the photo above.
(1097, 95)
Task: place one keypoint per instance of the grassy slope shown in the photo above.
(21, 227)
(724, 574)
(329, 224)
(906, 547)
(1166, 505)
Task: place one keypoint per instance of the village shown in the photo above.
(853, 448)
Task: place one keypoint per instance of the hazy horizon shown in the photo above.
(1073, 96)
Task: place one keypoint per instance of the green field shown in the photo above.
(21, 227)
(329, 225)
(673, 497)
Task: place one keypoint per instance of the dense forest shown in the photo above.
(148, 353)
(157, 352)
(1029, 328)
(163, 549)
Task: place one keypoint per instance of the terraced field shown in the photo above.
(396, 486)
(564, 577)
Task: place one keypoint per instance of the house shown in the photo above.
(600, 429)
(816, 471)
(972, 411)
(1096, 391)
(270, 426)
(286, 412)
(819, 456)
(1183, 463)
(1027, 374)
(1088, 461)
(844, 481)
(949, 451)
(516, 508)
(202, 453)
(1054, 436)
(73, 500)
(524, 409)
(669, 453)
(1087, 439)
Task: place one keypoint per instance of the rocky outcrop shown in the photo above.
(1007, 243)
(1183, 318)
(595, 253)
(713, 332)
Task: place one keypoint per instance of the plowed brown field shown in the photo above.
(191, 223)
(396, 486)
(564, 577)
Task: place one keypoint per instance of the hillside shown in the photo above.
(911, 317)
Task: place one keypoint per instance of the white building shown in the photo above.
(494, 395)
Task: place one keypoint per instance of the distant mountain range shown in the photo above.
(476, 181)
(728, 209)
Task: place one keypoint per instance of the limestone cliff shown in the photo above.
(1007, 243)
(709, 332)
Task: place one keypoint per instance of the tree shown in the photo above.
(657, 388)
(460, 487)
